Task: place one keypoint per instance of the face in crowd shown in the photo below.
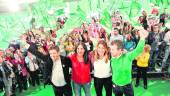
(102, 49)
(80, 50)
(54, 53)
(116, 48)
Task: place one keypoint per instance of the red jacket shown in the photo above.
(23, 66)
(80, 71)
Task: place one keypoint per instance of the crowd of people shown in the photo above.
(85, 53)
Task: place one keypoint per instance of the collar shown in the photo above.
(118, 56)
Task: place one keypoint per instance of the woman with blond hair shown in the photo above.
(102, 69)
(142, 65)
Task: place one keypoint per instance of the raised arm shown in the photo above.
(140, 46)
(32, 48)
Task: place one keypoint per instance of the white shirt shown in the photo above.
(57, 74)
(33, 66)
(116, 37)
(102, 69)
(87, 45)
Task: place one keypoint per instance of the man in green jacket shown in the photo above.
(121, 64)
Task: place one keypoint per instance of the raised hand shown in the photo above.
(23, 37)
(23, 42)
(143, 33)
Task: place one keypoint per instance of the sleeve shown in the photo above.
(133, 54)
(166, 39)
(69, 61)
(32, 48)
(150, 38)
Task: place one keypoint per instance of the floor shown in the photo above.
(156, 87)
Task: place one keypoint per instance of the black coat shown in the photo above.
(6, 70)
(65, 61)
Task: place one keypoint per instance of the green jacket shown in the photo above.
(122, 66)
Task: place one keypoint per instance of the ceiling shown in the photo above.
(5, 5)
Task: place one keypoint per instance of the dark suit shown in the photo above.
(66, 64)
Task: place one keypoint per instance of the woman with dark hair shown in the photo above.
(21, 71)
(87, 41)
(103, 35)
(81, 70)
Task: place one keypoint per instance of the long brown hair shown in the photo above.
(85, 56)
(106, 54)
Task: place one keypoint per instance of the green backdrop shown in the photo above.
(12, 25)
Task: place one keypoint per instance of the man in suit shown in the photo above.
(56, 69)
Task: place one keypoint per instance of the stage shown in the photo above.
(156, 87)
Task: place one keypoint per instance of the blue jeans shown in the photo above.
(167, 53)
(153, 58)
(86, 87)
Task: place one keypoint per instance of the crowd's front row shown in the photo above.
(111, 65)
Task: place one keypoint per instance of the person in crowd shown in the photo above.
(129, 44)
(41, 63)
(33, 68)
(21, 71)
(77, 38)
(6, 75)
(53, 34)
(87, 41)
(49, 43)
(164, 17)
(126, 28)
(69, 45)
(143, 20)
(103, 35)
(167, 51)
(115, 35)
(154, 39)
(135, 35)
(57, 69)
(84, 26)
(102, 69)
(142, 65)
(8, 55)
(30, 35)
(121, 64)
(81, 70)
(2, 53)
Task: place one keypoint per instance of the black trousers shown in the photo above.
(64, 90)
(99, 83)
(1, 86)
(142, 72)
(34, 77)
(22, 82)
(127, 90)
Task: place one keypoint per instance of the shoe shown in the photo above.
(136, 85)
(164, 70)
(145, 86)
(13, 95)
(1, 90)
